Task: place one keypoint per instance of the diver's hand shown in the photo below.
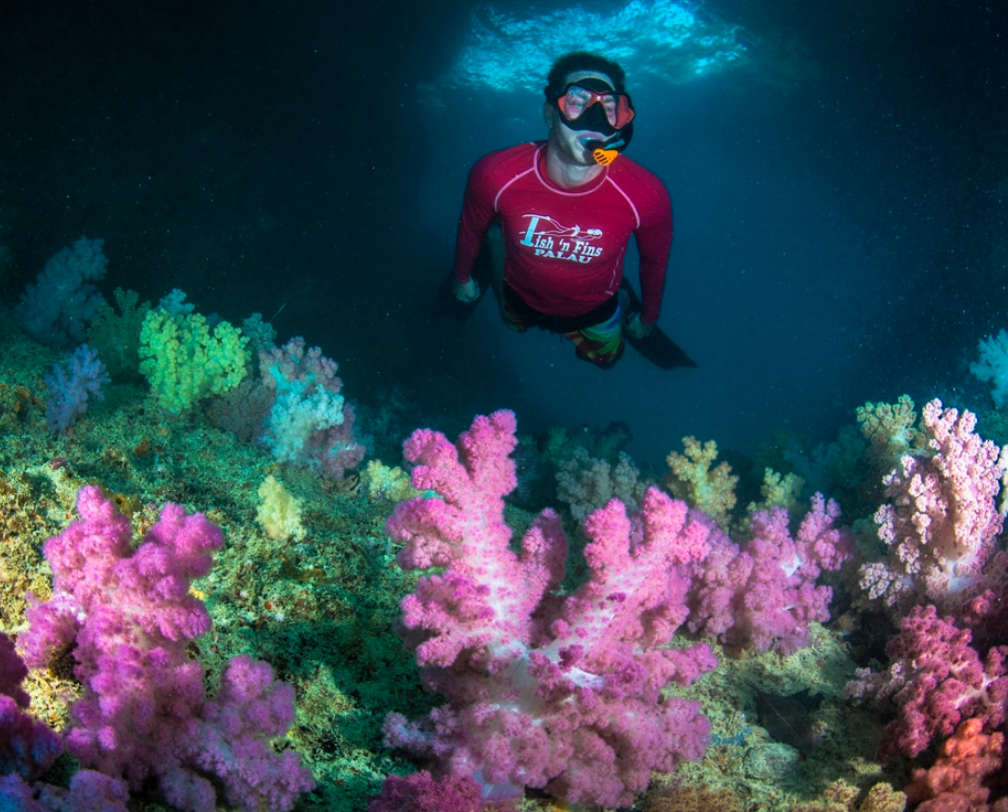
(636, 328)
(467, 292)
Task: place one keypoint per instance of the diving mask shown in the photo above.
(591, 104)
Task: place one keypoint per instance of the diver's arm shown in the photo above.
(467, 292)
(477, 214)
(654, 243)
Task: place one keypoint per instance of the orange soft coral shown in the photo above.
(956, 781)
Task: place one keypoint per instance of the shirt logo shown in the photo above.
(553, 240)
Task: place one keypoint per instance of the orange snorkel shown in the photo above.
(604, 157)
(605, 152)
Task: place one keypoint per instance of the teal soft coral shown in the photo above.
(185, 361)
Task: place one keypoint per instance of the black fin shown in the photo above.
(657, 347)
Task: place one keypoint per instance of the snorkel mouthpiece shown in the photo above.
(607, 151)
(604, 157)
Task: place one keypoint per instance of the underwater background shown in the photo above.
(839, 178)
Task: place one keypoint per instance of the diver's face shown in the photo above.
(571, 144)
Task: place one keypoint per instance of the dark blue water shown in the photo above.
(839, 195)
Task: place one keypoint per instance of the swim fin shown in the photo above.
(656, 347)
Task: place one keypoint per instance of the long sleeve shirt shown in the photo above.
(565, 247)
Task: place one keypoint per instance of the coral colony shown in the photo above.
(316, 636)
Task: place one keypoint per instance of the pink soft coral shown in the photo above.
(421, 792)
(765, 594)
(130, 618)
(941, 523)
(936, 680)
(562, 694)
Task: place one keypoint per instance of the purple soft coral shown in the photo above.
(27, 747)
(71, 384)
(559, 694)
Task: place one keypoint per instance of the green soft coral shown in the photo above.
(184, 360)
(116, 335)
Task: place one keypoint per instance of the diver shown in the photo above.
(555, 218)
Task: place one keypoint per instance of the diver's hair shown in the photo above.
(581, 60)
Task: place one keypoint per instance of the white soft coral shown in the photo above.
(993, 365)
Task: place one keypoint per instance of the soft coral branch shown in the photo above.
(562, 694)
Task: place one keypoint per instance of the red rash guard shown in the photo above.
(565, 247)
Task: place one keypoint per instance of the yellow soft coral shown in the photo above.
(692, 479)
(784, 490)
(383, 482)
(279, 513)
(889, 430)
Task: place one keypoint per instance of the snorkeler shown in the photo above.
(557, 216)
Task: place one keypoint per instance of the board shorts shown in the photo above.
(597, 335)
